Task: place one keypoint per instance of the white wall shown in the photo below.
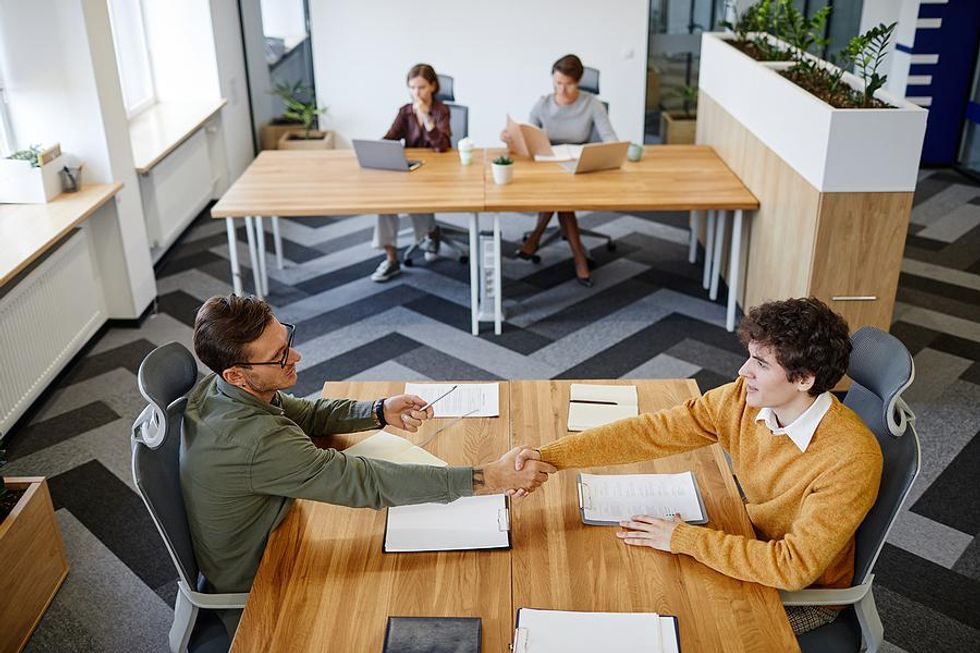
(500, 54)
(180, 41)
(896, 63)
(236, 121)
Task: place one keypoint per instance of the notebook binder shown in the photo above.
(520, 643)
(585, 503)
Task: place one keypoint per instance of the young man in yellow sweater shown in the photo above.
(808, 465)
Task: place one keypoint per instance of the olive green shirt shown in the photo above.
(244, 460)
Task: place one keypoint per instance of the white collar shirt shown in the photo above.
(801, 430)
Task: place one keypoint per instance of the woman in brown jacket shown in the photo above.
(424, 122)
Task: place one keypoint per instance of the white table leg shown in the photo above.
(474, 274)
(253, 256)
(736, 268)
(719, 246)
(695, 224)
(260, 249)
(709, 246)
(498, 286)
(236, 270)
(277, 241)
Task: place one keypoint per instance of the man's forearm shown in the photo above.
(479, 480)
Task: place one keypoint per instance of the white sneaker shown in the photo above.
(386, 270)
(431, 248)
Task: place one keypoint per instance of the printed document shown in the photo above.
(611, 498)
(469, 399)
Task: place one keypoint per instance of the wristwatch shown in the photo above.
(379, 413)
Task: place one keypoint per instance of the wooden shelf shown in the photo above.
(28, 230)
(158, 131)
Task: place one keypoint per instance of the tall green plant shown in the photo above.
(687, 97)
(793, 27)
(868, 51)
(300, 105)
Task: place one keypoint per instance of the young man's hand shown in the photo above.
(501, 476)
(645, 530)
(404, 412)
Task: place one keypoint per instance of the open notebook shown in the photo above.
(594, 405)
(481, 522)
(388, 446)
(547, 631)
(607, 499)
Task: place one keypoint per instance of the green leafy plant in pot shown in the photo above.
(503, 170)
(678, 126)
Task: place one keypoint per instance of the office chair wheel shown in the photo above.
(464, 259)
(535, 259)
(408, 262)
(610, 246)
(524, 238)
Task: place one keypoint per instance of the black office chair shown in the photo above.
(459, 123)
(880, 369)
(590, 84)
(165, 377)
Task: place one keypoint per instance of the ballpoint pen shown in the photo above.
(431, 403)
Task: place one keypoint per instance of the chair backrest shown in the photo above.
(881, 368)
(165, 377)
(445, 93)
(589, 81)
(459, 122)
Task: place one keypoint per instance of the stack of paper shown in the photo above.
(481, 522)
(467, 400)
(388, 446)
(546, 631)
(595, 405)
(612, 498)
(561, 153)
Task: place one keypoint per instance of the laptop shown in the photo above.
(598, 156)
(383, 155)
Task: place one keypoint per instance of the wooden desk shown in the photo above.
(559, 563)
(325, 585)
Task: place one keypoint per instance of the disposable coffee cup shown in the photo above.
(466, 151)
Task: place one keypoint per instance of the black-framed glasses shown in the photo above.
(291, 329)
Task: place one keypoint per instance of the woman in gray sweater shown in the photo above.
(568, 115)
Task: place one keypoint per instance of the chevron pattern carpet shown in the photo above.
(646, 317)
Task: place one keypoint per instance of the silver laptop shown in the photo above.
(383, 155)
(598, 156)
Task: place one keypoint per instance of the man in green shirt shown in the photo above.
(248, 453)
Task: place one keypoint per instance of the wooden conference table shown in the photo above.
(324, 583)
(668, 178)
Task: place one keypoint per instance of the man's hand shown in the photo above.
(649, 531)
(501, 475)
(404, 411)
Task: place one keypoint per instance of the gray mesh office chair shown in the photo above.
(459, 122)
(881, 369)
(165, 377)
(590, 84)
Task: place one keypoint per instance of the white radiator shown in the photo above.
(44, 321)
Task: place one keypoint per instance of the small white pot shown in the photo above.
(502, 174)
(22, 184)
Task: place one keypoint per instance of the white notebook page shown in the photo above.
(388, 446)
(547, 631)
(615, 497)
(483, 398)
(467, 523)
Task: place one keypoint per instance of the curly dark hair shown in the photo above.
(805, 336)
(224, 327)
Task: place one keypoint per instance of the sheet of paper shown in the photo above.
(615, 497)
(388, 446)
(545, 631)
(561, 153)
(479, 522)
(624, 395)
(587, 416)
(483, 398)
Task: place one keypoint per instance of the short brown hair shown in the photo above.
(225, 325)
(569, 65)
(426, 72)
(805, 336)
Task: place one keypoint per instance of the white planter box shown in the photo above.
(835, 150)
(22, 184)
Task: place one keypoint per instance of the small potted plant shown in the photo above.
(678, 127)
(301, 108)
(503, 170)
(30, 176)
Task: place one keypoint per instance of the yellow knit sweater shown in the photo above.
(805, 507)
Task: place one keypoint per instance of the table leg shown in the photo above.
(709, 247)
(474, 274)
(253, 257)
(277, 241)
(719, 246)
(236, 270)
(695, 224)
(736, 268)
(260, 249)
(498, 286)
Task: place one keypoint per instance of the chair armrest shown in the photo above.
(848, 596)
(218, 601)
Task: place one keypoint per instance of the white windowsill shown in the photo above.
(158, 131)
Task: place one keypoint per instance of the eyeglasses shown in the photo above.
(291, 329)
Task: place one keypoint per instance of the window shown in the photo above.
(132, 57)
(6, 134)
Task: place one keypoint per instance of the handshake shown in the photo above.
(518, 472)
